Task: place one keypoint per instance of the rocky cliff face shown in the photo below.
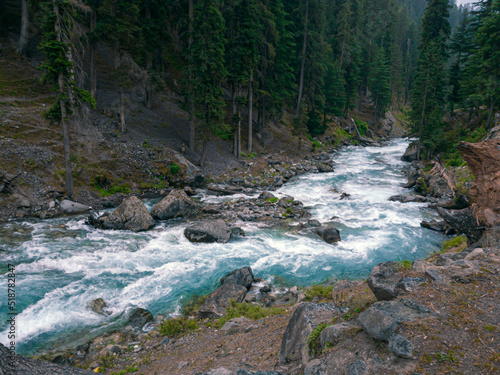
(483, 159)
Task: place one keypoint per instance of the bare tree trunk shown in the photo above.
(303, 63)
(204, 153)
(62, 104)
(233, 117)
(250, 111)
(22, 47)
(191, 100)
(93, 61)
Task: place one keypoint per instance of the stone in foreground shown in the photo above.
(400, 346)
(208, 232)
(294, 345)
(28, 366)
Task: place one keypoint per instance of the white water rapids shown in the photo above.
(60, 269)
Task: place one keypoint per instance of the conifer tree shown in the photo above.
(56, 45)
(428, 93)
(208, 68)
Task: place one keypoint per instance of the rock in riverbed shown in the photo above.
(208, 231)
(132, 215)
(175, 204)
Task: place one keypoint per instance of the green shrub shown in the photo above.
(174, 169)
(453, 242)
(362, 126)
(320, 291)
(313, 341)
(177, 327)
(404, 264)
(235, 310)
(272, 200)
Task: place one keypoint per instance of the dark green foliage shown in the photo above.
(429, 91)
(208, 68)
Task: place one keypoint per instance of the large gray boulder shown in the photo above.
(328, 234)
(243, 276)
(28, 366)
(381, 319)
(378, 324)
(72, 208)
(216, 304)
(175, 204)
(331, 335)
(294, 345)
(132, 215)
(208, 231)
(383, 280)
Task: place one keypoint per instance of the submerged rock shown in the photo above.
(208, 231)
(328, 234)
(97, 306)
(175, 204)
(132, 215)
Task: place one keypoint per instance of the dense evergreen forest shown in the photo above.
(241, 63)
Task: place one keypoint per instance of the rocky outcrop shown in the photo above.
(216, 304)
(243, 276)
(132, 215)
(175, 204)
(410, 154)
(208, 231)
(28, 366)
(463, 221)
(483, 159)
(294, 345)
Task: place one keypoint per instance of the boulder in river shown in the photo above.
(208, 231)
(139, 317)
(328, 234)
(132, 215)
(243, 276)
(175, 204)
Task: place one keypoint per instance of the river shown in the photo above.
(62, 264)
